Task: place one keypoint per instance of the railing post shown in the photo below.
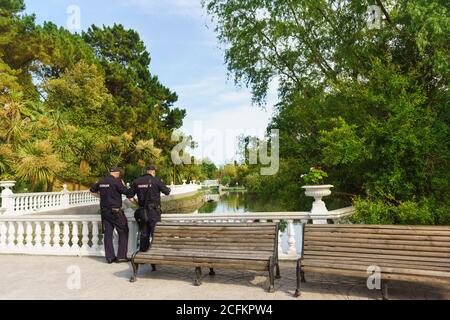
(132, 233)
(65, 197)
(292, 250)
(7, 197)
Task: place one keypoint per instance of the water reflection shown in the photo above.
(241, 202)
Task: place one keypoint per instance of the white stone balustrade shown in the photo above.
(29, 203)
(80, 235)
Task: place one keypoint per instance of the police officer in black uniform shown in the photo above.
(148, 189)
(110, 190)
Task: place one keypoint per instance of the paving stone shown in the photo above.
(39, 277)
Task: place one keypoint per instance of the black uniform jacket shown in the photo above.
(111, 190)
(153, 185)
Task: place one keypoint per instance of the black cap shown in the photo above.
(114, 169)
(149, 168)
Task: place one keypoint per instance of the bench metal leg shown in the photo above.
(135, 270)
(198, 276)
(302, 275)
(299, 273)
(384, 290)
(212, 272)
(271, 276)
(277, 275)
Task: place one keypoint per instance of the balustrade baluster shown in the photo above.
(95, 237)
(38, 235)
(24, 202)
(66, 236)
(56, 236)
(292, 250)
(29, 235)
(3, 231)
(47, 235)
(85, 236)
(75, 237)
(20, 235)
(11, 235)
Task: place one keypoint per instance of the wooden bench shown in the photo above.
(236, 246)
(406, 253)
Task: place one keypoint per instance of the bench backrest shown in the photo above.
(261, 237)
(421, 244)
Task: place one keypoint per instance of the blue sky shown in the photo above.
(187, 58)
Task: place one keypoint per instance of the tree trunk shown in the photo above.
(50, 185)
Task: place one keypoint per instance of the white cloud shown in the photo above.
(217, 113)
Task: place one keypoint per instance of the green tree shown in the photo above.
(370, 106)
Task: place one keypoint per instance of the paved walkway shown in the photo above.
(38, 277)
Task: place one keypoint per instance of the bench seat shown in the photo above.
(406, 253)
(228, 246)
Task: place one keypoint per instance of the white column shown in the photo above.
(66, 237)
(133, 232)
(3, 231)
(85, 236)
(75, 237)
(11, 236)
(292, 250)
(38, 236)
(56, 236)
(47, 236)
(29, 236)
(7, 197)
(20, 235)
(65, 197)
(95, 237)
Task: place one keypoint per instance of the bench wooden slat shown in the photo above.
(384, 276)
(224, 250)
(380, 251)
(377, 236)
(221, 255)
(224, 265)
(230, 242)
(373, 231)
(378, 226)
(387, 246)
(381, 241)
(336, 265)
(372, 260)
(380, 263)
(395, 257)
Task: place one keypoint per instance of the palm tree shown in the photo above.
(13, 123)
(6, 157)
(145, 151)
(38, 163)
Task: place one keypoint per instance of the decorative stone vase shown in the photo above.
(7, 196)
(318, 206)
(7, 184)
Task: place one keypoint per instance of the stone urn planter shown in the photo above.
(318, 206)
(7, 197)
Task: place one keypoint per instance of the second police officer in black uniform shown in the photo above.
(148, 189)
(110, 190)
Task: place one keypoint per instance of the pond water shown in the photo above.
(241, 202)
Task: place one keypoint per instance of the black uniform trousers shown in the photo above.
(147, 229)
(115, 220)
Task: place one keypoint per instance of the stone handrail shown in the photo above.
(29, 203)
(80, 235)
